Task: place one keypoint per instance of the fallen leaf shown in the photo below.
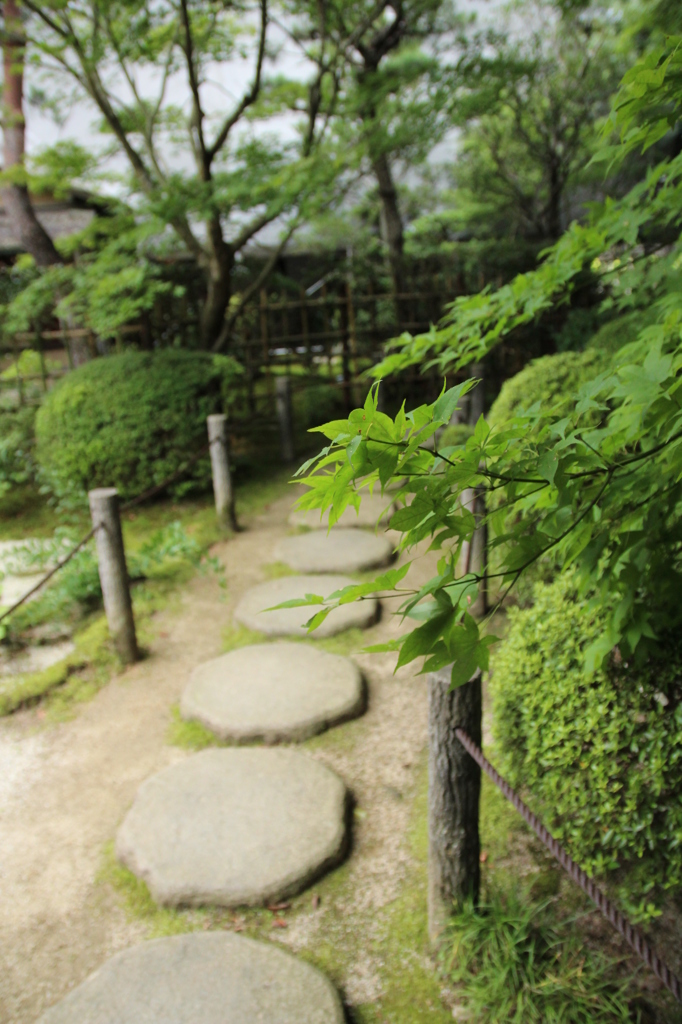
(279, 906)
(484, 856)
(315, 900)
(279, 922)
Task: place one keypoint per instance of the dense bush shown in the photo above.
(551, 380)
(600, 756)
(130, 420)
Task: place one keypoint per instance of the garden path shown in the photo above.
(69, 784)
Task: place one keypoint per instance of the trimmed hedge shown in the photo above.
(130, 420)
(601, 756)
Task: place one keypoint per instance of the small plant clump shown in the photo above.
(511, 963)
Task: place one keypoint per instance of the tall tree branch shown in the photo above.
(251, 96)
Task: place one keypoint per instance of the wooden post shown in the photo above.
(305, 330)
(20, 379)
(327, 330)
(353, 339)
(264, 337)
(286, 433)
(41, 353)
(454, 793)
(220, 469)
(113, 572)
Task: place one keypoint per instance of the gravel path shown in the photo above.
(65, 788)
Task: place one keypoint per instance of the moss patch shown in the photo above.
(189, 734)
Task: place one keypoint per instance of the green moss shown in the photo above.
(276, 570)
(239, 636)
(189, 734)
(139, 905)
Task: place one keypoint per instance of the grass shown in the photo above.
(511, 963)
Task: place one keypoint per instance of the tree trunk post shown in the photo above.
(286, 432)
(113, 572)
(454, 869)
(220, 470)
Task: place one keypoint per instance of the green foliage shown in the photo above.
(76, 590)
(455, 434)
(601, 755)
(551, 381)
(531, 108)
(597, 486)
(16, 447)
(129, 421)
(511, 964)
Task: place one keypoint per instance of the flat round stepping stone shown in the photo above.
(273, 692)
(251, 610)
(374, 510)
(336, 550)
(208, 978)
(240, 827)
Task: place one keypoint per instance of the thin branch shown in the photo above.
(187, 46)
(251, 96)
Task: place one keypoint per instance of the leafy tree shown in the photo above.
(391, 77)
(212, 181)
(529, 107)
(600, 486)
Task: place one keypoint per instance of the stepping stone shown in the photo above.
(208, 978)
(374, 509)
(251, 610)
(240, 827)
(273, 692)
(338, 550)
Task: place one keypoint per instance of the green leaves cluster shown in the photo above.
(598, 484)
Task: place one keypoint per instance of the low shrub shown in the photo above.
(512, 964)
(129, 421)
(600, 757)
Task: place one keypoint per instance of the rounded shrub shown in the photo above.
(130, 420)
(551, 380)
(599, 757)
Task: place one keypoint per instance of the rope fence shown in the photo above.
(133, 503)
(632, 935)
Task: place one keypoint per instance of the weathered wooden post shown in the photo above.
(286, 431)
(454, 794)
(113, 572)
(220, 470)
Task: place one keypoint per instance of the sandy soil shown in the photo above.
(65, 788)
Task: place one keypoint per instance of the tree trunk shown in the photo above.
(218, 291)
(391, 220)
(30, 232)
(454, 794)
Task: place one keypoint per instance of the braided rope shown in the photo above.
(84, 540)
(631, 934)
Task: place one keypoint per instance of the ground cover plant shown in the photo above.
(511, 963)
